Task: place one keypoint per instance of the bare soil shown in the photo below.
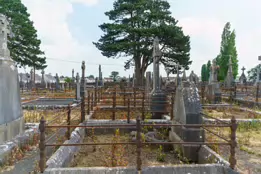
(229, 112)
(101, 156)
(122, 115)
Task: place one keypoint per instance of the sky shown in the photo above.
(67, 29)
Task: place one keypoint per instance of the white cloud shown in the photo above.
(86, 2)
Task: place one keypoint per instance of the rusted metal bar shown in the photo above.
(204, 115)
(83, 93)
(142, 143)
(233, 143)
(172, 107)
(139, 143)
(143, 107)
(114, 104)
(69, 122)
(152, 125)
(219, 136)
(42, 145)
(128, 112)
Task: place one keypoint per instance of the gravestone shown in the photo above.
(158, 97)
(73, 79)
(242, 78)
(32, 84)
(184, 77)
(43, 84)
(21, 81)
(148, 87)
(100, 80)
(96, 82)
(193, 78)
(178, 79)
(57, 82)
(187, 109)
(167, 69)
(213, 89)
(229, 82)
(77, 87)
(11, 115)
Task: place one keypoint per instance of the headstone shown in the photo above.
(148, 86)
(213, 90)
(100, 79)
(57, 82)
(96, 82)
(21, 81)
(187, 109)
(178, 79)
(229, 82)
(77, 86)
(158, 98)
(32, 84)
(193, 77)
(83, 83)
(184, 77)
(167, 69)
(73, 79)
(11, 115)
(242, 78)
(43, 84)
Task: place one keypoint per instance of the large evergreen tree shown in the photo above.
(135, 23)
(227, 50)
(24, 46)
(208, 66)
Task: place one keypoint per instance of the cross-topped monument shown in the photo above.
(5, 30)
(156, 58)
(213, 71)
(242, 78)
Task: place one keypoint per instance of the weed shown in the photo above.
(160, 154)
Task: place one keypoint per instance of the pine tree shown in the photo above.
(208, 69)
(204, 72)
(135, 23)
(24, 46)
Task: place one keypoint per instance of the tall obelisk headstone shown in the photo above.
(158, 98)
(230, 79)
(77, 86)
(11, 115)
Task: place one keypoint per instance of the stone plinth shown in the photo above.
(214, 93)
(158, 104)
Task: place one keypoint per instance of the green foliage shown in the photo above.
(91, 76)
(208, 69)
(24, 45)
(252, 73)
(114, 75)
(204, 73)
(68, 80)
(227, 49)
(134, 25)
(160, 154)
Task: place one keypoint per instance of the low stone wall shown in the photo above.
(181, 169)
(7, 147)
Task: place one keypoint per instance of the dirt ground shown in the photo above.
(228, 113)
(118, 114)
(87, 157)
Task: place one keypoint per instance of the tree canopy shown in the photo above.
(227, 50)
(134, 25)
(24, 46)
(252, 73)
(114, 75)
(204, 75)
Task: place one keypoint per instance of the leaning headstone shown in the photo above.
(187, 109)
(77, 86)
(242, 78)
(213, 89)
(11, 115)
(158, 97)
(229, 82)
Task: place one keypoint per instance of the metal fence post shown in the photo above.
(128, 112)
(88, 103)
(82, 91)
(233, 143)
(143, 107)
(138, 143)
(92, 101)
(134, 93)
(68, 121)
(95, 96)
(42, 160)
(113, 104)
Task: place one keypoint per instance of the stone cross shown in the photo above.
(73, 75)
(4, 31)
(243, 70)
(156, 58)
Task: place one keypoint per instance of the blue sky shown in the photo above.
(67, 29)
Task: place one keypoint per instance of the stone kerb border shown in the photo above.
(7, 147)
(179, 169)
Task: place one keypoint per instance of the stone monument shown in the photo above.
(242, 78)
(57, 82)
(11, 115)
(77, 87)
(167, 69)
(32, 84)
(43, 84)
(187, 109)
(184, 77)
(73, 79)
(229, 82)
(158, 98)
(213, 89)
(100, 79)
(193, 77)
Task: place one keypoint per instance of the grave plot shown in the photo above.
(228, 112)
(121, 155)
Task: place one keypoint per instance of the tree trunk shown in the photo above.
(139, 73)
